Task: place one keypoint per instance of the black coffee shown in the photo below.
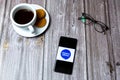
(23, 16)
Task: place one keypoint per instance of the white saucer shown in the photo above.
(38, 31)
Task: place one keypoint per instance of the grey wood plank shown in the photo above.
(39, 2)
(22, 58)
(64, 14)
(2, 9)
(111, 63)
(114, 10)
(97, 43)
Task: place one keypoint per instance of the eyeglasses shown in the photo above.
(98, 25)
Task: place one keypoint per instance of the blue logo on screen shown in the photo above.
(65, 54)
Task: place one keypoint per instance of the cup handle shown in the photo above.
(31, 29)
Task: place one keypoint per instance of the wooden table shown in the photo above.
(97, 56)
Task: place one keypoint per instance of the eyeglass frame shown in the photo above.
(85, 16)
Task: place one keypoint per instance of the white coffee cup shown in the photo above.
(29, 25)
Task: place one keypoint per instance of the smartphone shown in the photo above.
(65, 55)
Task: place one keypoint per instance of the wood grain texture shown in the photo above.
(97, 43)
(2, 9)
(97, 55)
(64, 14)
(114, 11)
(22, 58)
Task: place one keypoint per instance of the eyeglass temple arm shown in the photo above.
(86, 16)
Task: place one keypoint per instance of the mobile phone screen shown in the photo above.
(65, 55)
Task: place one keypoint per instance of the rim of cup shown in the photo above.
(17, 8)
